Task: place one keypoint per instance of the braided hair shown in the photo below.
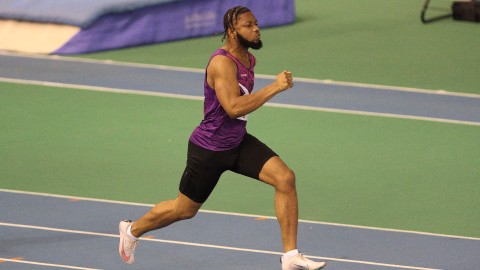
(231, 17)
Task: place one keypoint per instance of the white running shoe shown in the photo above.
(298, 262)
(126, 248)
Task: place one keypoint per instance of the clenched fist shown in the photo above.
(284, 80)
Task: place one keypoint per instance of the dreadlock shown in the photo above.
(230, 18)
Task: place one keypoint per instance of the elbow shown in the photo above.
(234, 113)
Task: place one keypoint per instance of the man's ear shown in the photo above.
(232, 33)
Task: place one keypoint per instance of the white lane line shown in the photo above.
(209, 246)
(263, 76)
(3, 260)
(269, 104)
(240, 214)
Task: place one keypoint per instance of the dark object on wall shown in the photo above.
(461, 10)
(466, 11)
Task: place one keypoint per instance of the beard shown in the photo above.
(249, 44)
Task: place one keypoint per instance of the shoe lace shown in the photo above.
(130, 246)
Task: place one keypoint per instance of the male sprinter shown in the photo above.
(221, 143)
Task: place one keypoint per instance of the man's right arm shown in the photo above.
(221, 76)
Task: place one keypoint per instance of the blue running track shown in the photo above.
(78, 232)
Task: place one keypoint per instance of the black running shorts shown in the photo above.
(204, 167)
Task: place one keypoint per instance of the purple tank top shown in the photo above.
(217, 131)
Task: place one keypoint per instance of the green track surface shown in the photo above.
(373, 171)
(367, 41)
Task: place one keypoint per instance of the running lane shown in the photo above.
(187, 83)
(83, 232)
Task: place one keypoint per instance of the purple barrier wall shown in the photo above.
(171, 21)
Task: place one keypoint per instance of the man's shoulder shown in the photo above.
(222, 60)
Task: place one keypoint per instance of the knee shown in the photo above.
(286, 181)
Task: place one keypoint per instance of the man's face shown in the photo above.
(247, 31)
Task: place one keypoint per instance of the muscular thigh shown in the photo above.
(275, 172)
(252, 156)
(202, 172)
